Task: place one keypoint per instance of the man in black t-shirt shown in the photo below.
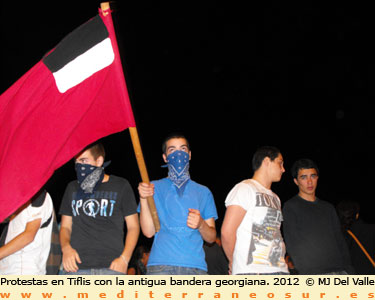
(93, 211)
(311, 227)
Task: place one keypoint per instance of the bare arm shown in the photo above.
(206, 227)
(70, 255)
(147, 224)
(232, 220)
(120, 264)
(21, 240)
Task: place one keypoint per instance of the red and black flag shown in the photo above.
(74, 96)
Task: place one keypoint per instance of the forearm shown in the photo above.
(65, 238)
(232, 220)
(70, 255)
(207, 232)
(228, 242)
(130, 243)
(21, 240)
(18, 243)
(147, 224)
(121, 263)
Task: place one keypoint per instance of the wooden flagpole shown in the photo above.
(142, 169)
(139, 154)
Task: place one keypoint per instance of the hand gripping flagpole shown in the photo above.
(105, 7)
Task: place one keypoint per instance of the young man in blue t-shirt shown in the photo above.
(186, 212)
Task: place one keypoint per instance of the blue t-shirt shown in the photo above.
(176, 244)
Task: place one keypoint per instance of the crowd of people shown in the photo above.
(101, 222)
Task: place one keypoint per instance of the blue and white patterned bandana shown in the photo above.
(178, 169)
(89, 177)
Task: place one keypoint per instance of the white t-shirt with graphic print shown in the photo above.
(259, 245)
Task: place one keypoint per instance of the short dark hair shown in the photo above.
(96, 150)
(263, 152)
(347, 211)
(175, 135)
(140, 250)
(303, 163)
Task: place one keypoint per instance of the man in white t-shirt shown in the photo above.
(28, 238)
(251, 235)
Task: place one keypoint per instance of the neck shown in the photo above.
(262, 180)
(307, 197)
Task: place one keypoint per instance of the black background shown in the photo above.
(232, 77)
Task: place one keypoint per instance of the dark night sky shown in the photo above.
(232, 78)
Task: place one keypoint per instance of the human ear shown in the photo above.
(165, 158)
(266, 161)
(295, 181)
(99, 161)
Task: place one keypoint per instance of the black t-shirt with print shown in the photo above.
(98, 222)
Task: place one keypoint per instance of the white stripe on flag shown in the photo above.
(85, 65)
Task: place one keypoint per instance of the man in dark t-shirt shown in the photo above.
(93, 209)
(312, 229)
